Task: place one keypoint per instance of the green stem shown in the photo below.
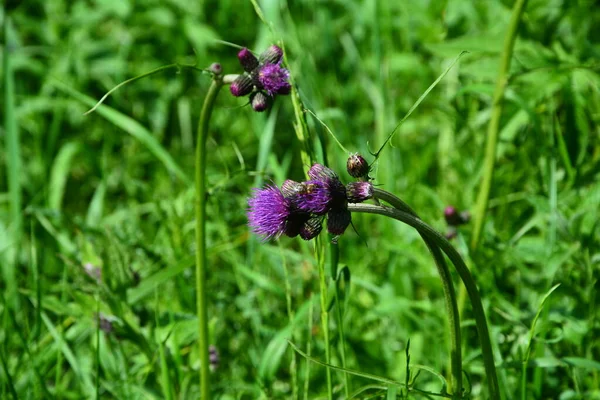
(449, 294)
(201, 305)
(319, 248)
(340, 318)
(492, 133)
(465, 275)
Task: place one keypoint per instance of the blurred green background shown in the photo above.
(97, 221)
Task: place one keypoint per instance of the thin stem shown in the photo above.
(319, 248)
(465, 275)
(493, 127)
(201, 304)
(340, 318)
(449, 293)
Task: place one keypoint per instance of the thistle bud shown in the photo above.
(357, 166)
(259, 101)
(247, 60)
(311, 228)
(271, 55)
(215, 68)
(455, 218)
(213, 356)
(241, 86)
(357, 192)
(338, 220)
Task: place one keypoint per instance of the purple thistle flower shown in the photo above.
(264, 77)
(268, 212)
(313, 197)
(274, 79)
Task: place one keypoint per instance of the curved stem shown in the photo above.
(465, 275)
(201, 305)
(492, 133)
(449, 293)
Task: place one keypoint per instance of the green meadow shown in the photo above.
(491, 107)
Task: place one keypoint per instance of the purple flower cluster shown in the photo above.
(264, 77)
(299, 208)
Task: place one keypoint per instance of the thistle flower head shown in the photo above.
(241, 86)
(268, 212)
(299, 208)
(274, 79)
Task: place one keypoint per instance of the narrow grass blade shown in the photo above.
(132, 127)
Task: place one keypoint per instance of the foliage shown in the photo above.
(112, 190)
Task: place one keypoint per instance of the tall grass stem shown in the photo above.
(494, 125)
(200, 180)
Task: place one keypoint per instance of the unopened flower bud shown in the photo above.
(338, 220)
(247, 60)
(357, 192)
(357, 166)
(215, 68)
(311, 228)
(241, 86)
(271, 55)
(259, 101)
(213, 356)
(455, 218)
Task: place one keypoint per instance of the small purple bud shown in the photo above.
(271, 55)
(247, 60)
(311, 228)
(454, 218)
(241, 86)
(215, 68)
(357, 192)
(259, 101)
(357, 166)
(338, 220)
(213, 356)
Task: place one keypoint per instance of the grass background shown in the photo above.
(113, 190)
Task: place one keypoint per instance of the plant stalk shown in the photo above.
(201, 303)
(465, 275)
(494, 125)
(449, 294)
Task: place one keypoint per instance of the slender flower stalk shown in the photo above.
(494, 125)
(463, 272)
(200, 180)
(449, 294)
